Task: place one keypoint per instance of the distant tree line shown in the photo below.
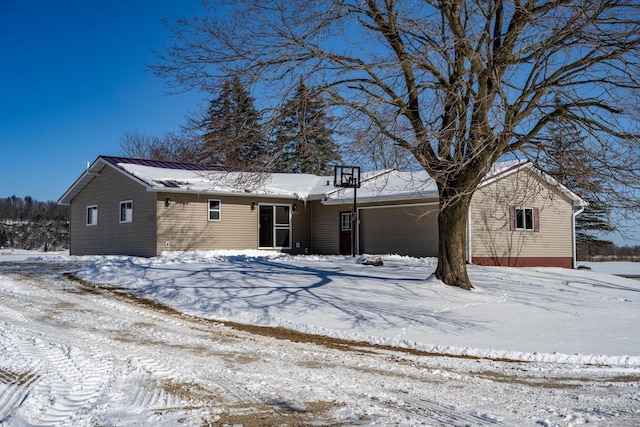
(609, 253)
(26, 223)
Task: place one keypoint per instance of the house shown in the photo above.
(519, 215)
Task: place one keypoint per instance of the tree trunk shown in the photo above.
(452, 243)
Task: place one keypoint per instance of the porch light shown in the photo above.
(253, 206)
(167, 201)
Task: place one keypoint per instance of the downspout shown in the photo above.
(469, 255)
(573, 234)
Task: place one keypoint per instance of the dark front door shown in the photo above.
(345, 233)
(275, 226)
(266, 227)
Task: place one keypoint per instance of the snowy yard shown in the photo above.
(75, 354)
(545, 314)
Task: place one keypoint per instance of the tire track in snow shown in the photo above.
(14, 388)
(64, 380)
(149, 377)
(433, 412)
(69, 383)
(147, 391)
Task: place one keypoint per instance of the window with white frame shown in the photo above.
(126, 211)
(214, 210)
(524, 219)
(345, 221)
(92, 215)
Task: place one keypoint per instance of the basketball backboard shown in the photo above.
(347, 176)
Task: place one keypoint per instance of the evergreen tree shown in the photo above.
(303, 136)
(568, 163)
(233, 134)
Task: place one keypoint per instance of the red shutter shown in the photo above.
(536, 219)
(512, 217)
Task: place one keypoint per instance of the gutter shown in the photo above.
(382, 199)
(222, 193)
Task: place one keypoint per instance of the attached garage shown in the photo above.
(404, 230)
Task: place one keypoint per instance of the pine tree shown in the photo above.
(233, 135)
(303, 136)
(568, 163)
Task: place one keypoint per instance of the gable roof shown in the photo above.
(379, 186)
(161, 176)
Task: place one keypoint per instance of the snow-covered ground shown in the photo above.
(9, 254)
(545, 345)
(543, 314)
(614, 267)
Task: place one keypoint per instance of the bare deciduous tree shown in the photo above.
(138, 145)
(185, 146)
(457, 83)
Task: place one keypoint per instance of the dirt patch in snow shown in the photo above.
(190, 391)
(274, 413)
(279, 414)
(560, 382)
(16, 378)
(361, 347)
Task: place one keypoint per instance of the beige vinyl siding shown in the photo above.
(405, 230)
(379, 235)
(301, 222)
(490, 230)
(111, 237)
(325, 228)
(184, 224)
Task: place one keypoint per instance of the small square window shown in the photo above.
(214, 210)
(126, 211)
(92, 215)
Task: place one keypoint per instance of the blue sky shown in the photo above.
(73, 79)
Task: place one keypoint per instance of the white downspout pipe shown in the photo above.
(469, 255)
(573, 234)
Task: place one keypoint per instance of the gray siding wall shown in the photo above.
(110, 237)
(184, 224)
(490, 230)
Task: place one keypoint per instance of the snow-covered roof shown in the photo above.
(160, 176)
(223, 182)
(389, 185)
(393, 185)
(378, 186)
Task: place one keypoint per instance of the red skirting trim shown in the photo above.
(564, 262)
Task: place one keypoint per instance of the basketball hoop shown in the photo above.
(346, 176)
(349, 177)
